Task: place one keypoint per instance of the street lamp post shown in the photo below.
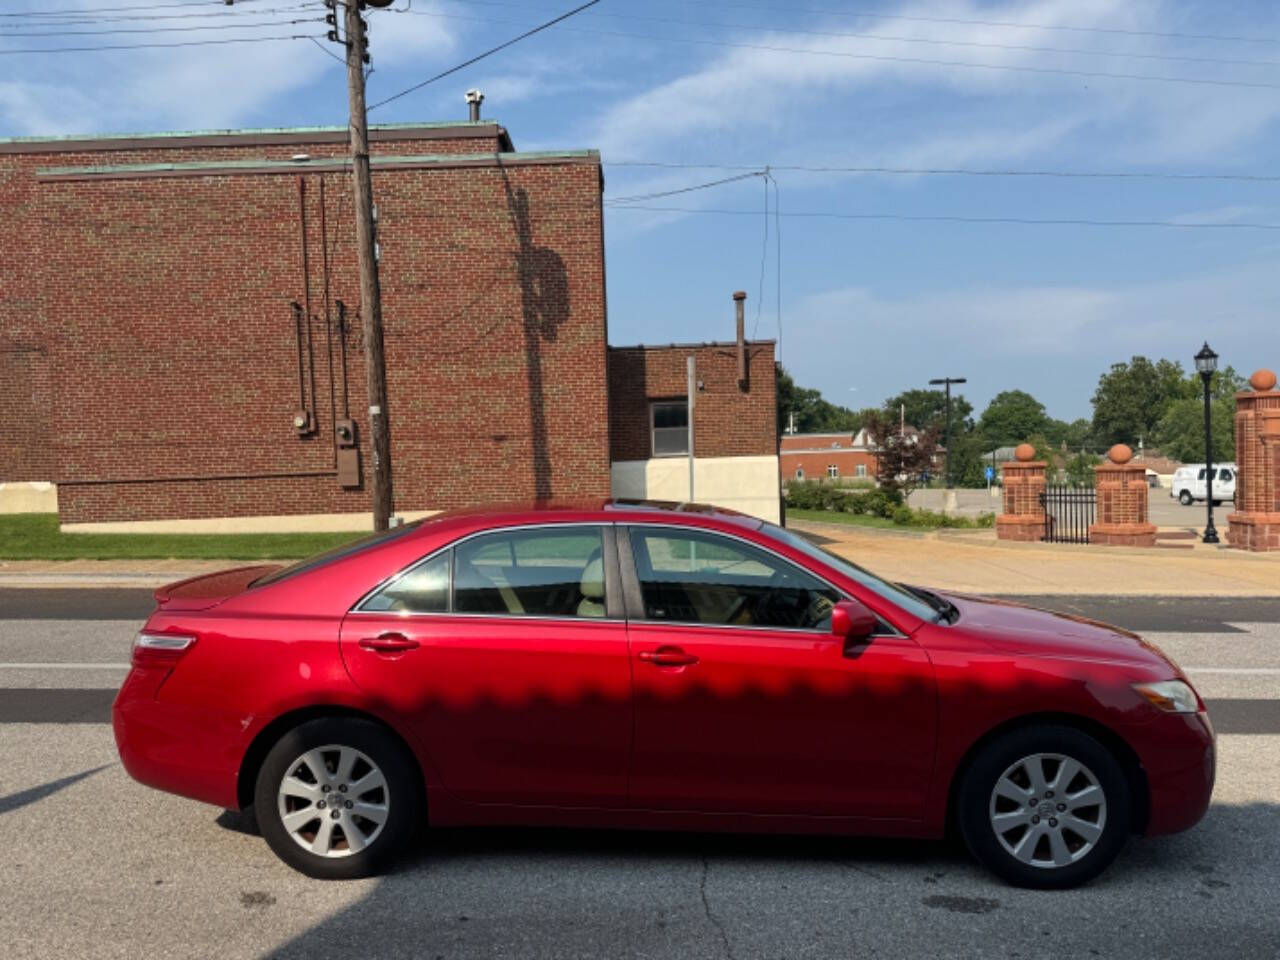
(1206, 364)
(947, 441)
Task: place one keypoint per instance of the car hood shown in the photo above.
(1016, 628)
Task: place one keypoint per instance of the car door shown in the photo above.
(744, 700)
(1224, 487)
(506, 654)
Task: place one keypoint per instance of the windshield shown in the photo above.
(337, 553)
(897, 595)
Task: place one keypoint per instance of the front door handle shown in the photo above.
(668, 657)
(388, 643)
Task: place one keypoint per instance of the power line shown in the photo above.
(149, 46)
(769, 28)
(882, 58)
(151, 30)
(696, 186)
(73, 12)
(956, 171)
(47, 22)
(942, 218)
(502, 46)
(764, 258)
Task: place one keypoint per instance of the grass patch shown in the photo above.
(838, 516)
(35, 536)
(904, 518)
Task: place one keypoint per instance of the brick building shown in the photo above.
(821, 456)
(180, 330)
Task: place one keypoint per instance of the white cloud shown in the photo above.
(193, 87)
(906, 112)
(1050, 340)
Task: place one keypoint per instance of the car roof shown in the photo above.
(607, 510)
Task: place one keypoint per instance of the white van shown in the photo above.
(1189, 483)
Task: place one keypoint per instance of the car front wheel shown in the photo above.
(1185, 498)
(337, 798)
(1045, 807)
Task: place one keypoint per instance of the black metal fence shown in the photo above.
(1068, 513)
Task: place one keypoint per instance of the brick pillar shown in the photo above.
(1122, 502)
(1024, 479)
(1255, 524)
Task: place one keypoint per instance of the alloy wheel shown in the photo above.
(1048, 810)
(333, 801)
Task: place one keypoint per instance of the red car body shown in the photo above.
(583, 722)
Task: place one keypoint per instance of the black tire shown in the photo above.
(975, 806)
(1185, 498)
(401, 796)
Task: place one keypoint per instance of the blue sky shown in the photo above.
(869, 306)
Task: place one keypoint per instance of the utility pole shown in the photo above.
(947, 442)
(367, 255)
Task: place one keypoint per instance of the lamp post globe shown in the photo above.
(1206, 363)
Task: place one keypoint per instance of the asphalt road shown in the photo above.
(99, 866)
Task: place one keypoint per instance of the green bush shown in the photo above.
(904, 516)
(815, 495)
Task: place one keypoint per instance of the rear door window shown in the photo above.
(542, 572)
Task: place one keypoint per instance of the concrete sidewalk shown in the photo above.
(977, 562)
(972, 561)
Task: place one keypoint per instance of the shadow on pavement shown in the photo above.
(566, 893)
(22, 798)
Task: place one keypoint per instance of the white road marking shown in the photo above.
(64, 666)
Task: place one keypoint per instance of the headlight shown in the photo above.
(1171, 696)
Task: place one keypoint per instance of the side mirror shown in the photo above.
(852, 622)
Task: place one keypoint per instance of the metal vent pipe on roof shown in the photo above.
(474, 99)
(740, 300)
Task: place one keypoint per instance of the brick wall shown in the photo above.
(815, 464)
(148, 320)
(728, 422)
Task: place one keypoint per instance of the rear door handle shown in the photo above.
(668, 657)
(388, 643)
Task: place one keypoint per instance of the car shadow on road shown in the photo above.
(580, 893)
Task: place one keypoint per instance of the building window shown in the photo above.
(833, 471)
(669, 421)
(862, 470)
(799, 473)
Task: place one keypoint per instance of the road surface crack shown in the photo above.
(706, 909)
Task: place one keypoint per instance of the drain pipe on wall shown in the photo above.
(739, 302)
(691, 371)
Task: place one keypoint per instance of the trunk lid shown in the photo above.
(210, 589)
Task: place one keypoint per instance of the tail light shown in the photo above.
(160, 649)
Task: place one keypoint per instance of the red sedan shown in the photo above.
(658, 666)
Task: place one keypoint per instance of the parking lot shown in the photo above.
(99, 866)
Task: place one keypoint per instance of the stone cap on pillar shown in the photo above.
(1262, 381)
(1024, 455)
(1119, 461)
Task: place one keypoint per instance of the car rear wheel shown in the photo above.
(1185, 498)
(337, 798)
(1045, 807)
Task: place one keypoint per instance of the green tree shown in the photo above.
(927, 408)
(1011, 417)
(1132, 397)
(1080, 471)
(901, 459)
(812, 413)
(1180, 432)
(968, 460)
(1077, 435)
